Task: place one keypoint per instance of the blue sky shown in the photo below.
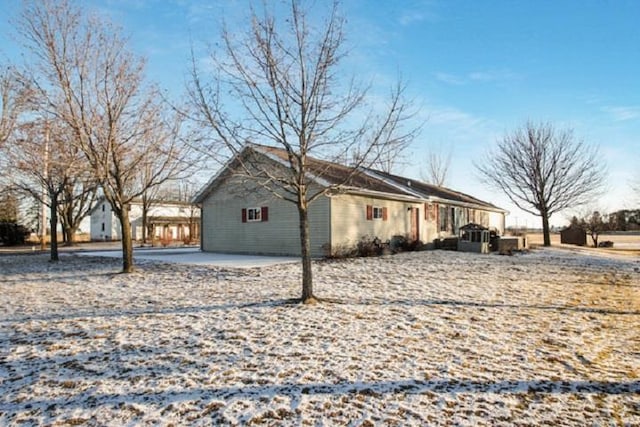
(475, 69)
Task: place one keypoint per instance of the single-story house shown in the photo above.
(240, 218)
(170, 220)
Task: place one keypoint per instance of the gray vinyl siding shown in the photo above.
(349, 222)
(224, 231)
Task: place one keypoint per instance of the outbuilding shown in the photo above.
(474, 238)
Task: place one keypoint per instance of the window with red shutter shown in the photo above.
(255, 214)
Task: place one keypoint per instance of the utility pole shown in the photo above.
(45, 173)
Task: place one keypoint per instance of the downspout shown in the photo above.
(201, 229)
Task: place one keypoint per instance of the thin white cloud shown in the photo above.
(622, 113)
(411, 17)
(450, 115)
(451, 79)
(497, 76)
(493, 76)
(419, 12)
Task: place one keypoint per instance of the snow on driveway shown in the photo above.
(194, 256)
(435, 338)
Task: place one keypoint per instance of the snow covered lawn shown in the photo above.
(420, 338)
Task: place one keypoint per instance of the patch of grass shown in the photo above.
(76, 421)
(68, 384)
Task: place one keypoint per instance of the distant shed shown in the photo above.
(573, 236)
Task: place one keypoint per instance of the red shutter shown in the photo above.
(384, 214)
(264, 214)
(426, 211)
(369, 212)
(244, 215)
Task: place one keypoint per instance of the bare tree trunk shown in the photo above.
(69, 236)
(305, 250)
(127, 245)
(144, 224)
(68, 231)
(545, 229)
(53, 224)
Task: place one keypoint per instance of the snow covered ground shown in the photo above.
(435, 338)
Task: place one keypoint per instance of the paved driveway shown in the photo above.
(196, 257)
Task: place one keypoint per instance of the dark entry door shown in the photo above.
(415, 224)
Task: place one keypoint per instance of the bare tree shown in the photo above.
(437, 165)
(186, 192)
(544, 171)
(46, 162)
(595, 224)
(77, 199)
(148, 197)
(88, 78)
(635, 186)
(284, 78)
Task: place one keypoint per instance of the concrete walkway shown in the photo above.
(194, 256)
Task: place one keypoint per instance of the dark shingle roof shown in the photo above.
(335, 174)
(429, 190)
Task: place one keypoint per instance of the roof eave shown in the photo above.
(411, 199)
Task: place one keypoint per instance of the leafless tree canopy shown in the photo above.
(635, 186)
(10, 103)
(15, 102)
(436, 167)
(8, 205)
(46, 162)
(595, 224)
(280, 84)
(544, 170)
(87, 78)
(284, 80)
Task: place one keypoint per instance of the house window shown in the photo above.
(376, 212)
(255, 214)
(103, 208)
(103, 225)
(444, 217)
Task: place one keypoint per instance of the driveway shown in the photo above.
(195, 256)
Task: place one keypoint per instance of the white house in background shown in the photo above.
(236, 218)
(165, 220)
